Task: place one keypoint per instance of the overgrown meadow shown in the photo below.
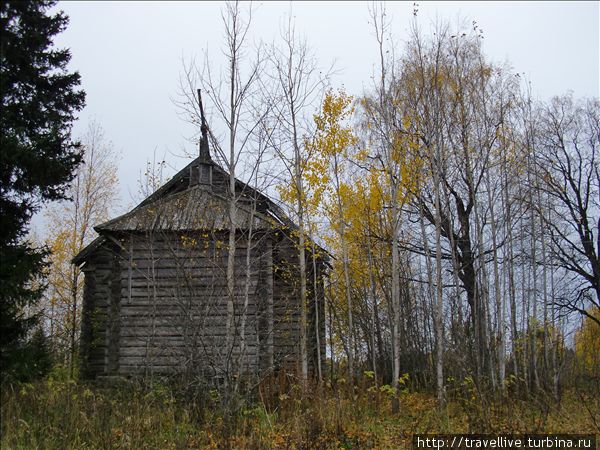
(60, 413)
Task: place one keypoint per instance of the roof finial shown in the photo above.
(204, 152)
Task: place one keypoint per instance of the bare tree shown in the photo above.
(453, 101)
(233, 95)
(380, 115)
(569, 138)
(298, 84)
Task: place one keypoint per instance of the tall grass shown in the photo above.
(64, 414)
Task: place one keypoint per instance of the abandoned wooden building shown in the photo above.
(156, 296)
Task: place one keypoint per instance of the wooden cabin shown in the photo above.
(156, 297)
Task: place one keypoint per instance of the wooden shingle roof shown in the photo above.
(177, 206)
(195, 208)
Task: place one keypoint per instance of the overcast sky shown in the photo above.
(129, 55)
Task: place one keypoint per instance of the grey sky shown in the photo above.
(129, 55)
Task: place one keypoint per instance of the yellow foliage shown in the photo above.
(587, 343)
(334, 136)
(70, 229)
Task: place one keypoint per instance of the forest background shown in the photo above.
(461, 208)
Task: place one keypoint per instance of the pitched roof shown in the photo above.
(195, 208)
(177, 206)
(181, 181)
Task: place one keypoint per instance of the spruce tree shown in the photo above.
(40, 98)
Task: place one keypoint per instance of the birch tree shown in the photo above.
(94, 196)
(333, 138)
(297, 84)
(234, 98)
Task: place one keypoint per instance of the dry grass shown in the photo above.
(68, 415)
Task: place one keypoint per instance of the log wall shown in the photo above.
(157, 304)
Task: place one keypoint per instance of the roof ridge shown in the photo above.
(179, 211)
